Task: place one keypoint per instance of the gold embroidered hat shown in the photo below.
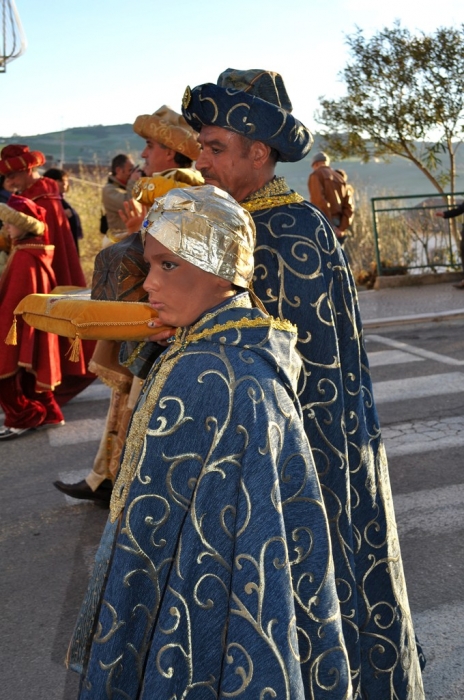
(170, 129)
(253, 103)
(206, 227)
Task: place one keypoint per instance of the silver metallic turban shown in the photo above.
(208, 228)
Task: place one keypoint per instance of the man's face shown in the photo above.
(225, 162)
(123, 173)
(157, 157)
(18, 181)
(179, 291)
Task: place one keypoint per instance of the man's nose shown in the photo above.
(201, 161)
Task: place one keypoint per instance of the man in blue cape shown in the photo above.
(214, 577)
(301, 274)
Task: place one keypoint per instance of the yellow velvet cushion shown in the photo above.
(77, 316)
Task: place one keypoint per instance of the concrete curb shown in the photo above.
(392, 281)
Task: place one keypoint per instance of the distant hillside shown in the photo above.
(87, 144)
(98, 144)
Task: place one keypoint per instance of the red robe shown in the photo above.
(28, 271)
(66, 265)
(68, 271)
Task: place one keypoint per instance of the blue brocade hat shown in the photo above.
(253, 103)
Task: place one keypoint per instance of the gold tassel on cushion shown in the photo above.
(74, 349)
(12, 337)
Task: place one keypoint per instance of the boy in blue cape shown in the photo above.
(214, 577)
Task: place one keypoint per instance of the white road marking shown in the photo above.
(426, 354)
(418, 387)
(391, 357)
(77, 431)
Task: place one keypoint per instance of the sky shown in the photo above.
(93, 62)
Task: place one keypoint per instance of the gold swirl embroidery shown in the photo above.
(136, 439)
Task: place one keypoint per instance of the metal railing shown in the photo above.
(411, 238)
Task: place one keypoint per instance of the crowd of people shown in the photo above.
(251, 548)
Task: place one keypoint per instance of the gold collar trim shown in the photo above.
(275, 193)
(269, 321)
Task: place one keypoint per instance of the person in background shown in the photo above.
(245, 126)
(19, 165)
(450, 214)
(114, 194)
(29, 359)
(62, 178)
(214, 576)
(329, 191)
(171, 147)
(5, 242)
(4, 193)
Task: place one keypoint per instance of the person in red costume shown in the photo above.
(19, 164)
(29, 369)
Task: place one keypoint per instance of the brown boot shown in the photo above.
(460, 285)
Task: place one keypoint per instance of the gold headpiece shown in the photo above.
(207, 228)
(170, 129)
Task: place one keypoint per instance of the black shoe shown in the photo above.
(83, 491)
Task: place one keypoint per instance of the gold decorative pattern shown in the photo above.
(301, 275)
(270, 202)
(187, 96)
(134, 354)
(275, 187)
(268, 322)
(275, 193)
(224, 530)
(155, 382)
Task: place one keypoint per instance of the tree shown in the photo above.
(405, 97)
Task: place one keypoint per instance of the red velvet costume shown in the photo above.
(31, 369)
(68, 271)
(66, 265)
(17, 158)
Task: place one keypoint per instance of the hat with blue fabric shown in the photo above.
(253, 103)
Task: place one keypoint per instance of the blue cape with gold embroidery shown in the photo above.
(301, 274)
(221, 579)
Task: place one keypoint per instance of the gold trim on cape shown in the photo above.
(275, 193)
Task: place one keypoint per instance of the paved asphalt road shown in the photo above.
(48, 540)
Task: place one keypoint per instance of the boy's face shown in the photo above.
(178, 290)
(13, 231)
(18, 181)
